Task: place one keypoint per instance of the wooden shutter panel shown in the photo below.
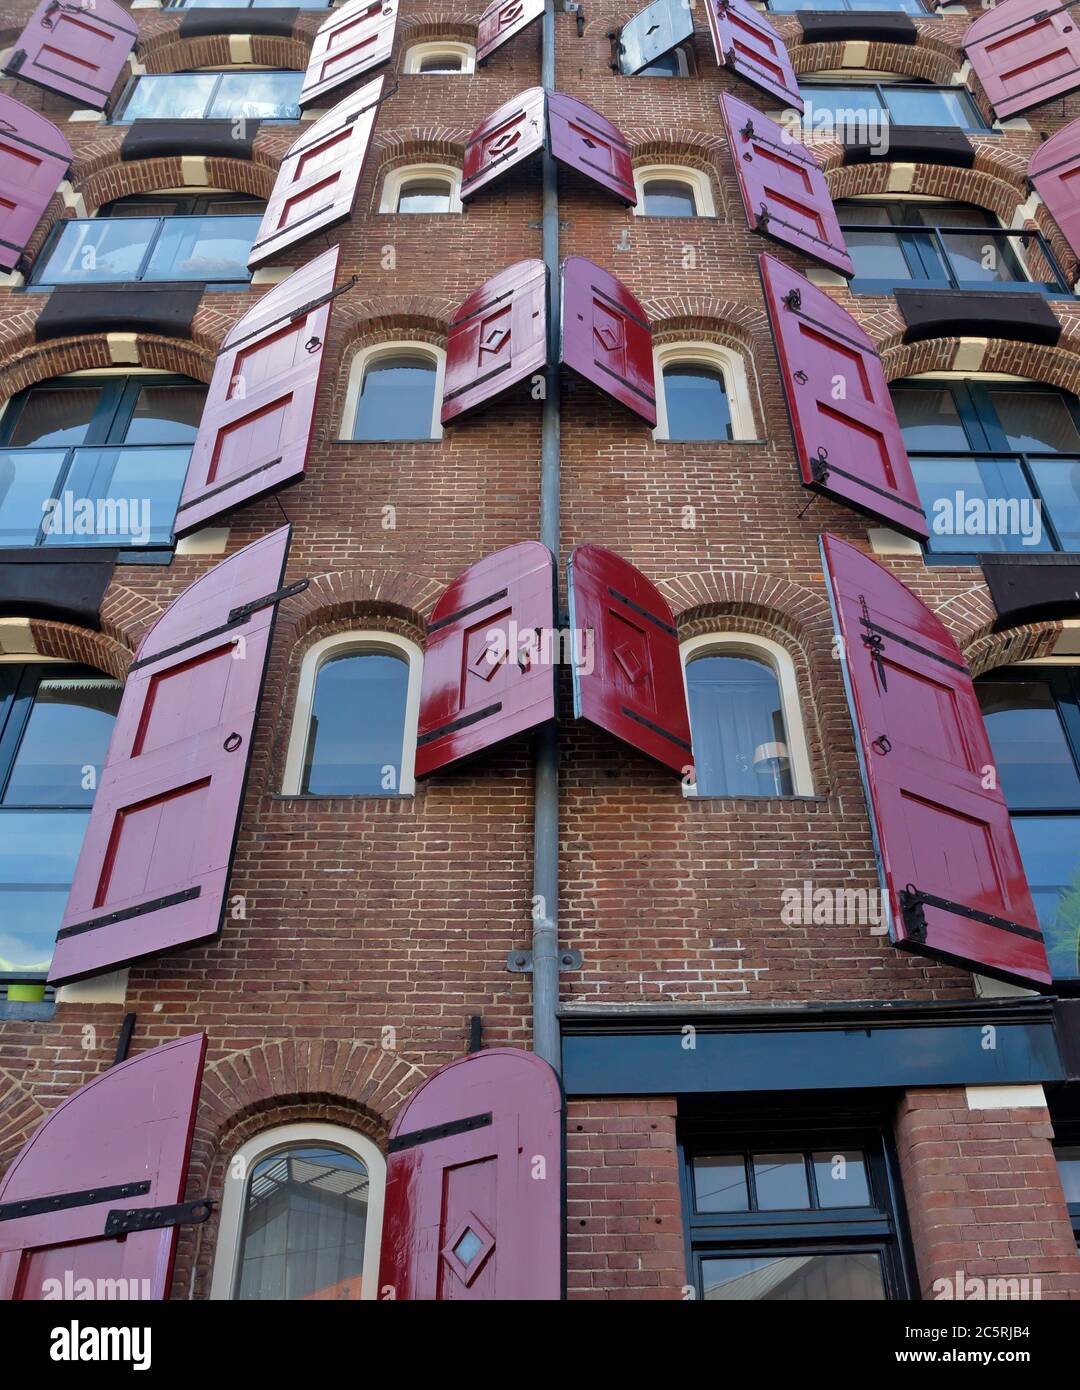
(119, 1143)
(635, 688)
(950, 870)
(745, 42)
(509, 135)
(501, 21)
(474, 1184)
(318, 178)
(1054, 172)
(489, 661)
(1024, 53)
(606, 336)
(355, 39)
(652, 32)
(498, 337)
(157, 852)
(255, 430)
(846, 433)
(34, 157)
(76, 50)
(783, 188)
(584, 140)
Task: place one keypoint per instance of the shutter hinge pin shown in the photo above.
(819, 467)
(913, 909)
(793, 299)
(748, 130)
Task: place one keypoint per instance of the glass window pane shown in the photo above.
(878, 255)
(1036, 420)
(38, 854)
(166, 415)
(54, 415)
(667, 65)
(173, 96)
(120, 496)
(669, 198)
(1035, 765)
(203, 248)
(720, 1184)
(977, 259)
(780, 1182)
(397, 399)
(841, 1179)
(64, 741)
(97, 251)
(446, 62)
(851, 212)
(1050, 850)
(1058, 481)
(348, 756)
(1068, 1161)
(258, 96)
(855, 109)
(794, 1278)
(696, 400)
(929, 419)
(978, 505)
(28, 480)
(424, 195)
(736, 714)
(932, 106)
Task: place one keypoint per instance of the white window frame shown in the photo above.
(315, 658)
(396, 179)
(360, 363)
(440, 48)
(271, 1141)
(698, 180)
(775, 656)
(719, 358)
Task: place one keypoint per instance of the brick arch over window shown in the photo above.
(443, 145)
(672, 145)
(985, 650)
(435, 24)
(741, 327)
(168, 53)
(125, 617)
(106, 177)
(361, 323)
(931, 59)
(1000, 192)
(24, 362)
(1053, 366)
(20, 1115)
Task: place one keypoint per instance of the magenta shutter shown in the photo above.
(1024, 52)
(783, 188)
(34, 157)
(255, 430)
(846, 433)
(474, 1206)
(318, 178)
(78, 50)
(489, 659)
(950, 870)
(628, 678)
(118, 1144)
(355, 39)
(509, 135)
(498, 337)
(1054, 172)
(501, 21)
(746, 42)
(155, 860)
(584, 140)
(606, 336)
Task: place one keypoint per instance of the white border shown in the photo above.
(361, 361)
(396, 179)
(698, 180)
(722, 359)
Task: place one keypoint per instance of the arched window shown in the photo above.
(673, 190)
(422, 188)
(674, 63)
(744, 717)
(394, 393)
(441, 56)
(301, 1217)
(333, 751)
(703, 393)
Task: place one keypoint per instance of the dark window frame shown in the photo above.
(881, 88)
(1067, 1136)
(923, 10)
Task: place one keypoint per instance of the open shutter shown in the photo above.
(1024, 53)
(501, 21)
(155, 859)
(118, 1144)
(628, 677)
(76, 49)
(652, 32)
(606, 336)
(255, 430)
(489, 670)
(509, 135)
(847, 436)
(586, 141)
(474, 1205)
(318, 178)
(747, 43)
(34, 157)
(355, 39)
(498, 337)
(783, 187)
(1054, 172)
(950, 870)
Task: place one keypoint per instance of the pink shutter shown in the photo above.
(498, 337)
(78, 50)
(155, 860)
(950, 870)
(355, 39)
(606, 336)
(746, 42)
(783, 188)
(490, 657)
(255, 430)
(1054, 172)
(509, 135)
(119, 1143)
(34, 158)
(474, 1184)
(501, 21)
(847, 436)
(318, 178)
(1024, 53)
(584, 140)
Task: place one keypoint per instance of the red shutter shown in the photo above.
(317, 180)
(355, 39)
(746, 42)
(34, 157)
(498, 337)
(1024, 53)
(490, 657)
(255, 430)
(512, 133)
(119, 1143)
(628, 674)
(783, 188)
(606, 336)
(78, 50)
(155, 860)
(847, 436)
(474, 1205)
(939, 830)
(1054, 172)
(586, 141)
(501, 21)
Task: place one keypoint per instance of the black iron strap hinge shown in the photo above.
(237, 616)
(291, 315)
(914, 902)
(874, 642)
(245, 610)
(414, 1137)
(64, 1201)
(126, 1223)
